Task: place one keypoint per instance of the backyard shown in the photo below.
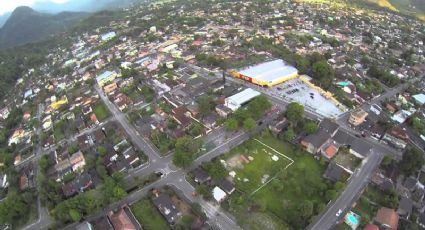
(101, 111)
(278, 194)
(148, 216)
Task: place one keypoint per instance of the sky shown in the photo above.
(10, 5)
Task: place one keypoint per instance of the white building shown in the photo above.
(236, 101)
(108, 36)
(218, 194)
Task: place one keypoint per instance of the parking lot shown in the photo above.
(296, 90)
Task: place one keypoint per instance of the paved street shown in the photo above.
(351, 193)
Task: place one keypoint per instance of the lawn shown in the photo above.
(148, 216)
(290, 200)
(101, 111)
(260, 170)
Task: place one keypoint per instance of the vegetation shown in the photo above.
(162, 141)
(301, 193)
(246, 117)
(185, 151)
(101, 111)
(383, 76)
(148, 216)
(412, 161)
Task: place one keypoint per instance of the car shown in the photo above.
(338, 213)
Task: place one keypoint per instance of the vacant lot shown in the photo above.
(148, 216)
(289, 200)
(101, 111)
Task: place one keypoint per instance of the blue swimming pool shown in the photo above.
(352, 219)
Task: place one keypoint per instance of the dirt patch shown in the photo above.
(184, 208)
(235, 162)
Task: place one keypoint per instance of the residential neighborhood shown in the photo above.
(220, 115)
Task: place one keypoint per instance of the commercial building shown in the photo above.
(267, 74)
(236, 101)
(106, 77)
(357, 117)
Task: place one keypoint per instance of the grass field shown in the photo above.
(101, 111)
(252, 176)
(281, 204)
(148, 216)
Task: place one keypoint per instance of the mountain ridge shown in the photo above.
(26, 25)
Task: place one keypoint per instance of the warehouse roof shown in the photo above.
(270, 71)
(235, 101)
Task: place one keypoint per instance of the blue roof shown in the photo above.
(420, 98)
(104, 75)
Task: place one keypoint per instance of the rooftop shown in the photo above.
(269, 71)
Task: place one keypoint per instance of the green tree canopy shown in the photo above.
(295, 113)
(249, 124)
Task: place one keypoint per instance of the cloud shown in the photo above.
(10, 5)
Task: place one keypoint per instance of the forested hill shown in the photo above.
(26, 25)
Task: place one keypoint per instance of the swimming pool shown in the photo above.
(352, 220)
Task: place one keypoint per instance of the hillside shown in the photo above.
(407, 7)
(26, 25)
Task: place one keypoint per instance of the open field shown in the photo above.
(288, 201)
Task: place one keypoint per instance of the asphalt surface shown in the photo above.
(356, 184)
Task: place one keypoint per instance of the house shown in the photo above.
(333, 172)
(218, 194)
(84, 226)
(109, 89)
(124, 219)
(371, 227)
(387, 218)
(405, 207)
(314, 142)
(200, 176)
(102, 223)
(227, 186)
(210, 120)
(329, 150)
(26, 179)
(166, 207)
(396, 137)
(77, 161)
(223, 111)
(278, 126)
(357, 117)
(410, 183)
(79, 184)
(182, 116)
(122, 101)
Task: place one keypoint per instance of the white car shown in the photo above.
(338, 213)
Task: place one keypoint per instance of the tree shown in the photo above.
(310, 127)
(412, 161)
(331, 194)
(231, 124)
(75, 215)
(323, 73)
(216, 170)
(204, 191)
(102, 150)
(289, 135)
(257, 106)
(206, 104)
(295, 113)
(182, 159)
(44, 163)
(306, 209)
(249, 124)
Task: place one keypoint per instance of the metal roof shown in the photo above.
(270, 71)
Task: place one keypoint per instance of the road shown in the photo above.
(351, 193)
(172, 176)
(358, 180)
